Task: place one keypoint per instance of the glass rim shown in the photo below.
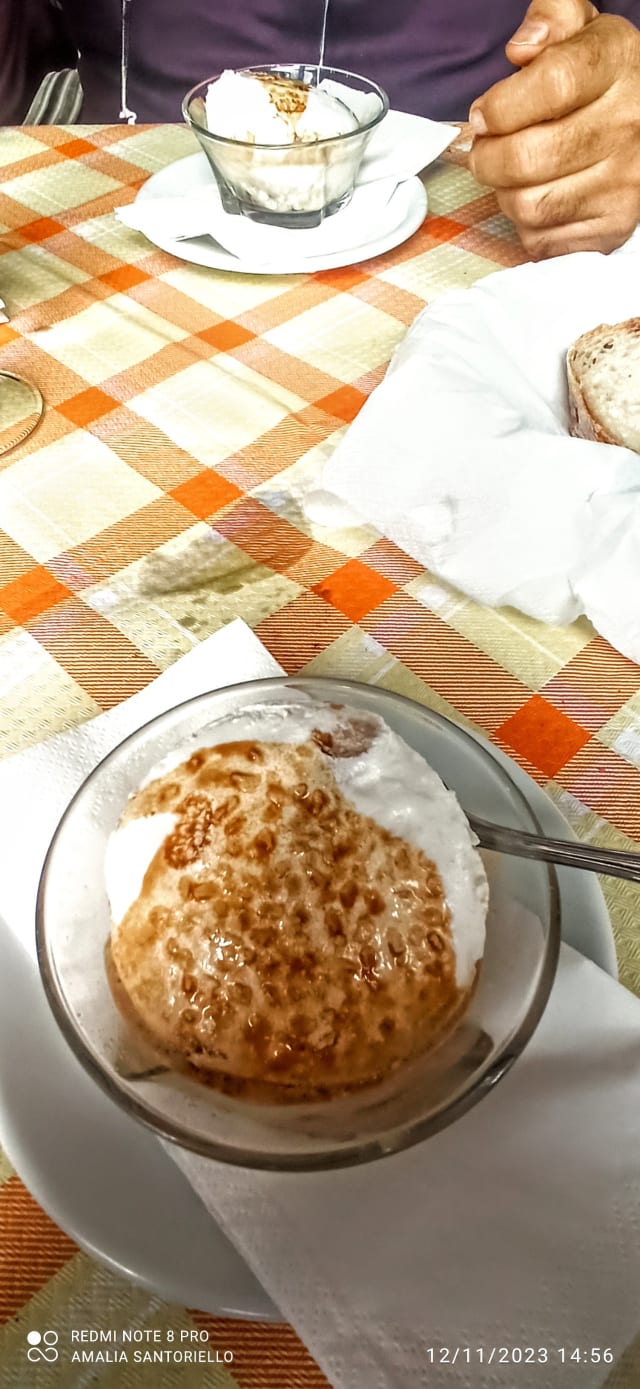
(407, 1134)
(203, 130)
(30, 421)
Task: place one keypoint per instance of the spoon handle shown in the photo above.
(613, 863)
(459, 150)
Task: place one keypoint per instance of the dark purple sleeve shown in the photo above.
(33, 41)
(630, 9)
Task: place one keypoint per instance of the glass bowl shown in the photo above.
(73, 927)
(295, 185)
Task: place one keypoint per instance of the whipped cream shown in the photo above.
(389, 782)
(130, 850)
(265, 110)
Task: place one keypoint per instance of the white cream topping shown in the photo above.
(390, 783)
(238, 107)
(324, 116)
(130, 850)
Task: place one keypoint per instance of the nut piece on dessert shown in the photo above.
(288, 95)
(603, 369)
(298, 906)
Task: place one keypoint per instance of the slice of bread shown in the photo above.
(603, 368)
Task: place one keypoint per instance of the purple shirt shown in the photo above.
(33, 41)
(433, 57)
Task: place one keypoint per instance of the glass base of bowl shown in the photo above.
(239, 205)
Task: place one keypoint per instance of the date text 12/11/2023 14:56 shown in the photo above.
(519, 1355)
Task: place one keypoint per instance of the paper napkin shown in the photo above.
(482, 1258)
(262, 245)
(462, 455)
(58, 766)
(400, 147)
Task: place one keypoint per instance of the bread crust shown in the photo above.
(583, 423)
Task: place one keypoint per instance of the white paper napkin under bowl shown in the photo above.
(462, 455)
(400, 147)
(479, 1260)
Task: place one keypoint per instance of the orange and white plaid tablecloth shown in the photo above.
(182, 402)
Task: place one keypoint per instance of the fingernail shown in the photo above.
(532, 31)
(477, 121)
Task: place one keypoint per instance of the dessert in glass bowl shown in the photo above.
(262, 924)
(298, 904)
(285, 142)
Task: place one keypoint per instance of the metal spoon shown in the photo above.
(613, 863)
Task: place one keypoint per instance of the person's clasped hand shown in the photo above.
(559, 141)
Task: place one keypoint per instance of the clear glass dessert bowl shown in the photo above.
(294, 184)
(416, 1100)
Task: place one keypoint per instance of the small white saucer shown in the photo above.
(108, 1182)
(397, 221)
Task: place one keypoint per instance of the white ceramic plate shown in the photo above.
(108, 1182)
(399, 219)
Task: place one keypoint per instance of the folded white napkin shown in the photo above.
(39, 783)
(517, 1228)
(3, 316)
(400, 147)
(176, 218)
(462, 456)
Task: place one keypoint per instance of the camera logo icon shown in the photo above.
(43, 1346)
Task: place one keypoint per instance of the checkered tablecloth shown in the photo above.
(160, 497)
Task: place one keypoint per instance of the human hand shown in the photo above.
(560, 140)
